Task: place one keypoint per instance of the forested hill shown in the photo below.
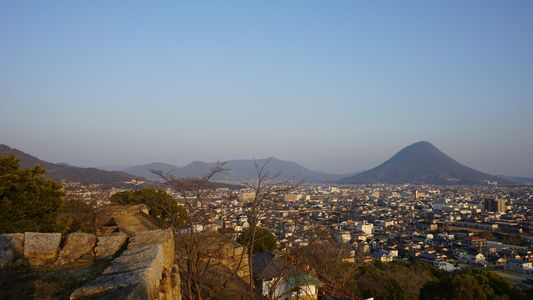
(68, 172)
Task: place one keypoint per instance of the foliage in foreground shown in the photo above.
(263, 240)
(395, 280)
(29, 201)
(344, 276)
(81, 214)
(471, 284)
(419, 280)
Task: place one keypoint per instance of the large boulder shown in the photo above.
(163, 237)
(121, 286)
(41, 248)
(109, 244)
(149, 257)
(136, 274)
(11, 247)
(76, 245)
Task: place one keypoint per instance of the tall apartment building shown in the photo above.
(496, 205)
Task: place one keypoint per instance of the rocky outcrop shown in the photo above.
(109, 244)
(149, 257)
(76, 245)
(120, 286)
(163, 237)
(41, 248)
(11, 247)
(136, 272)
(145, 270)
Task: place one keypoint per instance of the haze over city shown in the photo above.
(338, 87)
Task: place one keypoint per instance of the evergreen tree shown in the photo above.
(471, 284)
(263, 240)
(160, 205)
(29, 201)
(394, 291)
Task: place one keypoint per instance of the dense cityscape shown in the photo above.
(451, 227)
(266, 150)
(272, 236)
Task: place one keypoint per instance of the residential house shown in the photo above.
(280, 279)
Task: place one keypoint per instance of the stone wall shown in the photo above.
(107, 216)
(145, 270)
(39, 249)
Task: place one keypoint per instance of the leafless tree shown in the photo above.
(335, 264)
(331, 262)
(266, 188)
(205, 254)
(210, 262)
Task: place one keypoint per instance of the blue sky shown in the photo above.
(334, 85)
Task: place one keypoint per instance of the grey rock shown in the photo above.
(109, 244)
(135, 274)
(149, 257)
(11, 247)
(41, 248)
(163, 237)
(122, 286)
(76, 245)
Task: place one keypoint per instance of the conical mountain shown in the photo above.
(422, 163)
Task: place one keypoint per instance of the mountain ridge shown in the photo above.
(66, 172)
(422, 163)
(241, 170)
(144, 169)
(427, 165)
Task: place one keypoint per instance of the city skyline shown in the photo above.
(338, 87)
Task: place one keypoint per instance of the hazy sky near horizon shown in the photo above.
(338, 86)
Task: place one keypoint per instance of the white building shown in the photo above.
(343, 236)
(365, 227)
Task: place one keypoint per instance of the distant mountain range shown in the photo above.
(423, 163)
(419, 163)
(238, 171)
(144, 170)
(67, 172)
(517, 180)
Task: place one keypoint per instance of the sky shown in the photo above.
(337, 86)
